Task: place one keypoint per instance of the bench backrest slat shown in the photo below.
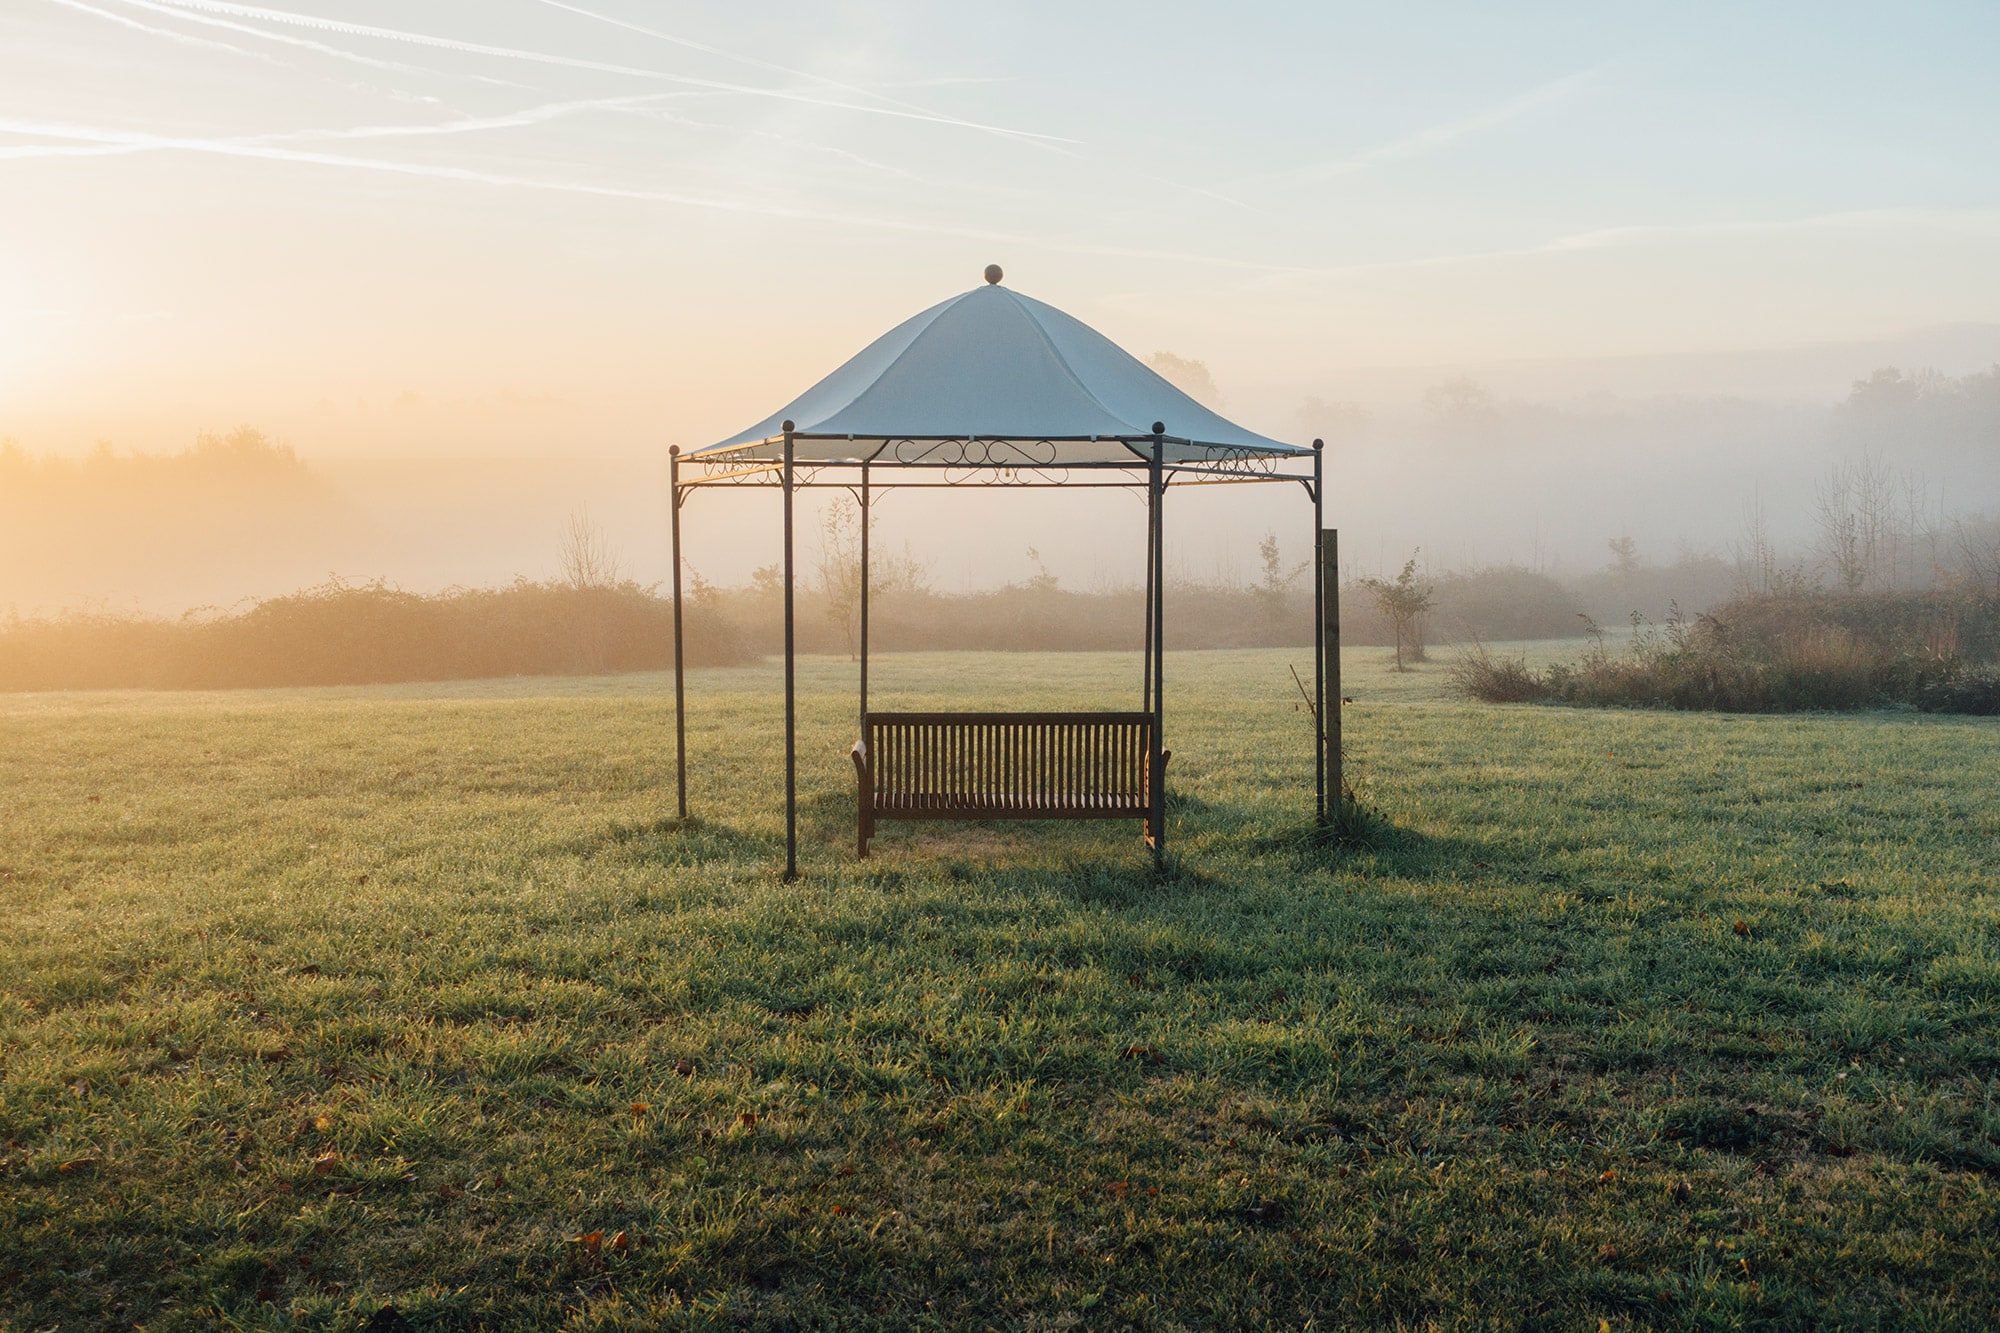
(970, 761)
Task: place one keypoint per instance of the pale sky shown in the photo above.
(533, 226)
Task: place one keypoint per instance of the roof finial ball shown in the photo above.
(993, 274)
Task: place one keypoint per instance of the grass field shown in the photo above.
(313, 1002)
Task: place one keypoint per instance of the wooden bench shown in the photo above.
(1005, 766)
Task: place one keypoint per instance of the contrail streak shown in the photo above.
(1436, 136)
(88, 141)
(783, 69)
(185, 39)
(97, 142)
(595, 66)
(22, 152)
(535, 115)
(640, 103)
(112, 143)
(752, 61)
(179, 12)
(755, 63)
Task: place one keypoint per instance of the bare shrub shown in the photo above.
(587, 565)
(585, 557)
(1500, 680)
(1404, 599)
(837, 571)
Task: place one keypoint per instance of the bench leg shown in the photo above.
(864, 811)
(1156, 813)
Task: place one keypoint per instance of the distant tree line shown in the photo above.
(591, 619)
(360, 634)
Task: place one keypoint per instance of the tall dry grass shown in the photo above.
(1937, 651)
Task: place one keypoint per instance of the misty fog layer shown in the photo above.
(1461, 474)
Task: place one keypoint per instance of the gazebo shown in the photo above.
(992, 388)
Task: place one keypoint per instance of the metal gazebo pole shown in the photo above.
(1319, 629)
(680, 666)
(866, 515)
(1156, 486)
(1329, 579)
(1146, 648)
(791, 688)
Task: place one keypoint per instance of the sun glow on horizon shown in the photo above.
(543, 236)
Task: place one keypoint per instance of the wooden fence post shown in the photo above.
(1329, 584)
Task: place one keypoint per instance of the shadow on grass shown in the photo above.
(667, 842)
(1103, 863)
(964, 848)
(1367, 840)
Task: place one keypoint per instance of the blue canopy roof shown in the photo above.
(994, 365)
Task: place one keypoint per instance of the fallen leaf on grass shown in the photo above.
(1607, 1177)
(639, 1110)
(325, 1163)
(1119, 1186)
(840, 1210)
(620, 1243)
(1741, 928)
(590, 1241)
(76, 1164)
(748, 1119)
